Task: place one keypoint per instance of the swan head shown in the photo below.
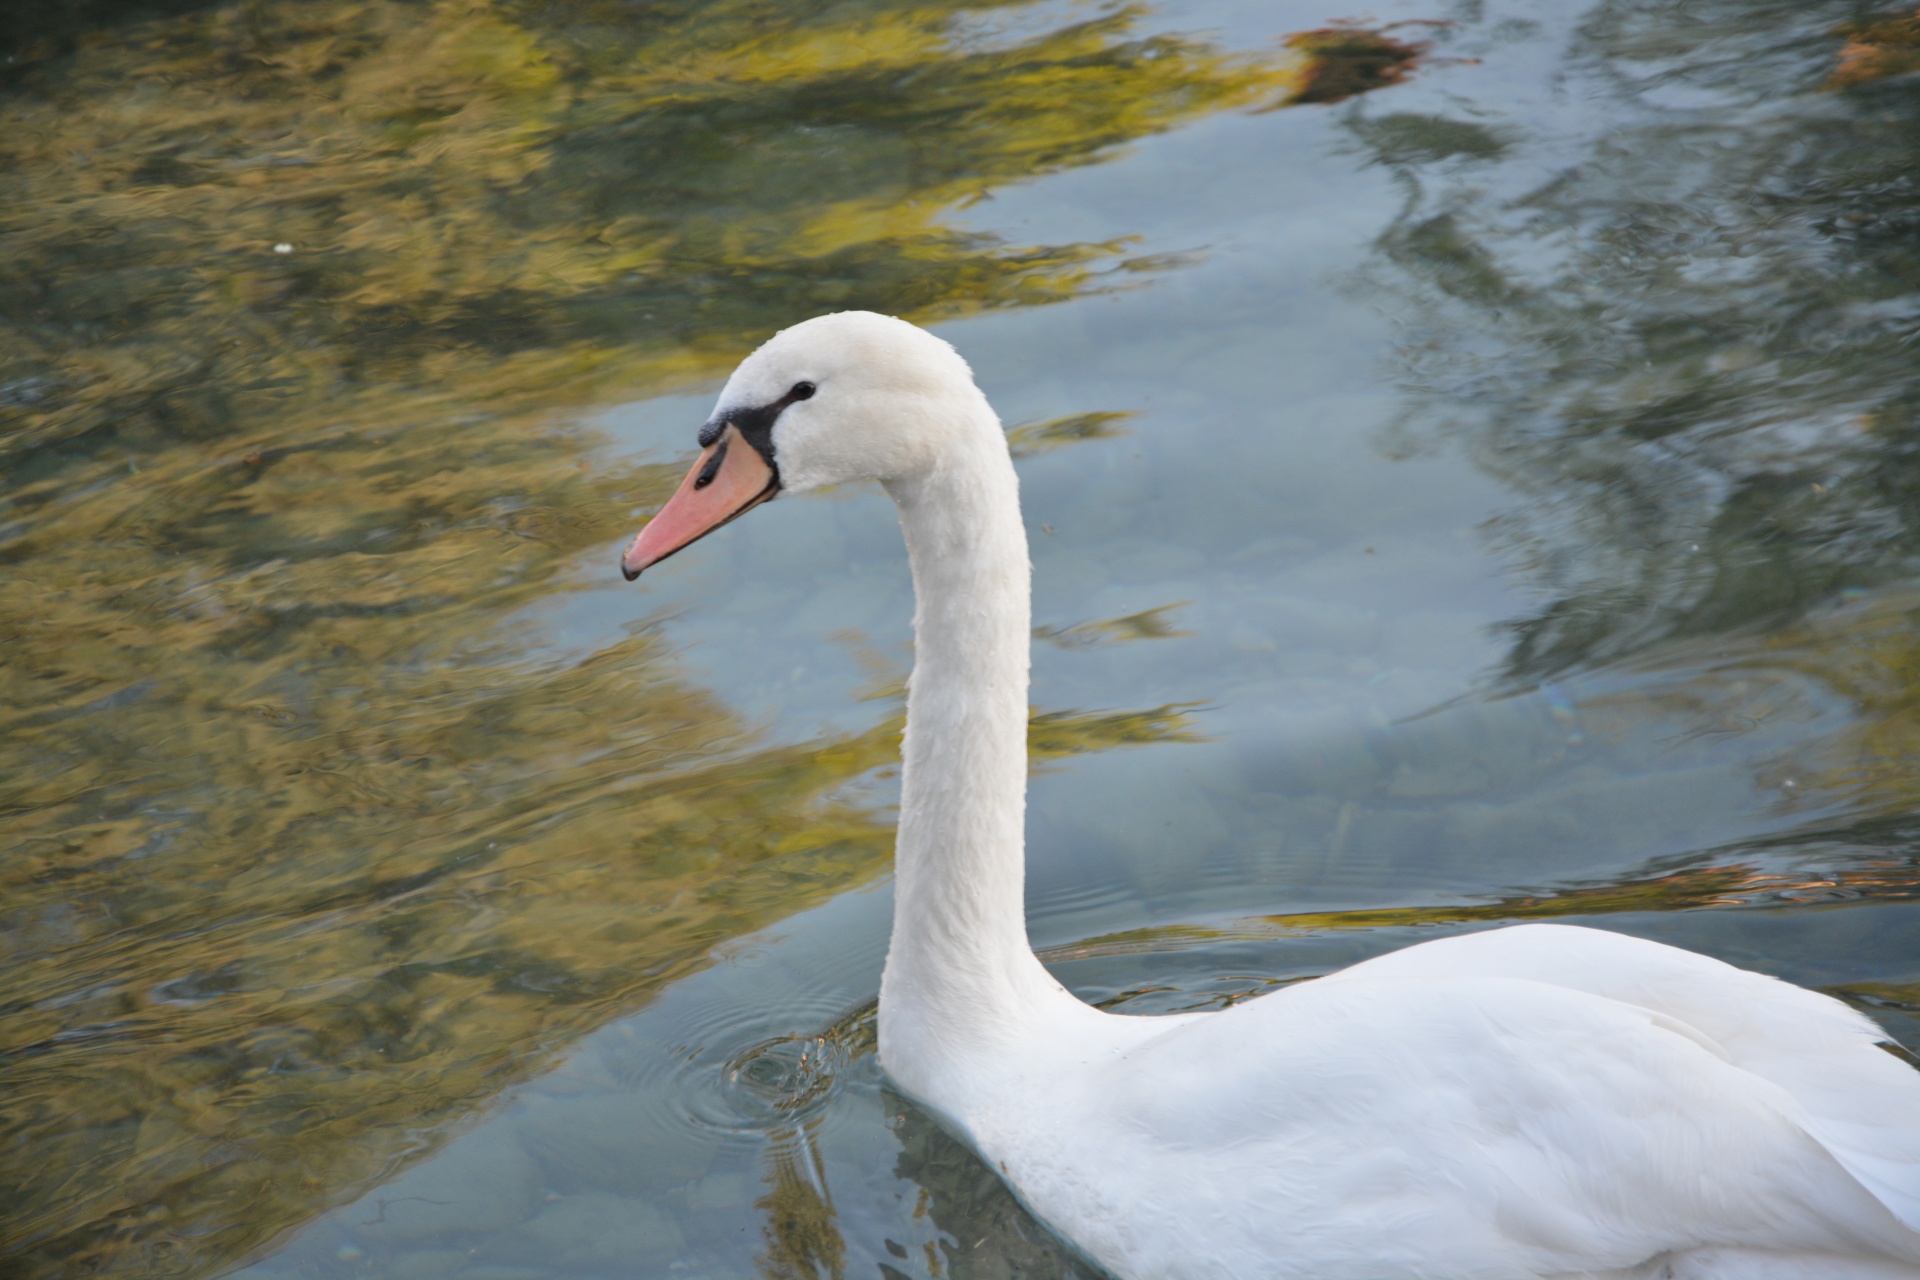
(848, 396)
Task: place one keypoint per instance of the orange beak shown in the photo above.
(729, 480)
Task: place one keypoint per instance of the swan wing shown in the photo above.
(1858, 1101)
(1486, 1127)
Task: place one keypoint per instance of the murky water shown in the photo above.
(1471, 460)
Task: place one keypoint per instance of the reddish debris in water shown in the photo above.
(1876, 50)
(1344, 59)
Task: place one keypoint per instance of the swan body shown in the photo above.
(1534, 1101)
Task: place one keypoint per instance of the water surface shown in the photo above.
(1468, 482)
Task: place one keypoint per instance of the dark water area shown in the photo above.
(1470, 453)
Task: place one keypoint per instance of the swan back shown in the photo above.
(1359, 1126)
(1859, 1103)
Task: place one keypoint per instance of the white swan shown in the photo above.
(1525, 1102)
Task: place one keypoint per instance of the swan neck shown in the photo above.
(961, 976)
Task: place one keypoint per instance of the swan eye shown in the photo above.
(802, 391)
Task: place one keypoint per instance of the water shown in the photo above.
(1483, 495)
